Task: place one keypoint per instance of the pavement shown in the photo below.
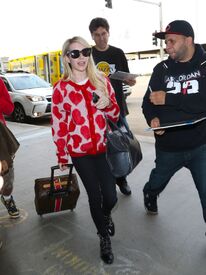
(171, 243)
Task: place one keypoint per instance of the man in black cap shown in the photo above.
(176, 93)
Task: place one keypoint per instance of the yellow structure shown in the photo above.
(47, 65)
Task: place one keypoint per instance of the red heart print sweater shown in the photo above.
(78, 127)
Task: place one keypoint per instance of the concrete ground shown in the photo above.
(172, 243)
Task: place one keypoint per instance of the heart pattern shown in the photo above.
(61, 143)
(57, 97)
(56, 112)
(72, 126)
(67, 107)
(78, 127)
(100, 120)
(77, 117)
(85, 132)
(62, 129)
(76, 140)
(75, 98)
(86, 147)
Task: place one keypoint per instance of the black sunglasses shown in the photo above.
(76, 53)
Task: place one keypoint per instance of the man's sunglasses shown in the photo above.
(76, 53)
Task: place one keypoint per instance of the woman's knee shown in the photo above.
(110, 202)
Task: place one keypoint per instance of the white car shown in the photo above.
(30, 93)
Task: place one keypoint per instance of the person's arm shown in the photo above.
(59, 126)
(5, 167)
(191, 103)
(125, 66)
(107, 103)
(194, 103)
(6, 104)
(156, 85)
(190, 96)
(148, 108)
(112, 111)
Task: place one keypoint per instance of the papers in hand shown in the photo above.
(119, 75)
(176, 124)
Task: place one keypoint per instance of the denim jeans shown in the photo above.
(168, 163)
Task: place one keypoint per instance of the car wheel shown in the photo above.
(18, 114)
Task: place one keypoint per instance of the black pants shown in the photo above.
(100, 186)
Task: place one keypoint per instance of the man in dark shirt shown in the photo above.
(110, 59)
(176, 92)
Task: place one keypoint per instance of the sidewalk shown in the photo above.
(172, 243)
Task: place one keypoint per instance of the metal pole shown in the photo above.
(161, 28)
(160, 22)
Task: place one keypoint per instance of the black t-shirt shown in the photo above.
(110, 61)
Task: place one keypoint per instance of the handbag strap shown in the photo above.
(122, 121)
(53, 168)
(115, 126)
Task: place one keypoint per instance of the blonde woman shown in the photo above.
(80, 102)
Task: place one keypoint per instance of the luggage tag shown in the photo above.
(58, 200)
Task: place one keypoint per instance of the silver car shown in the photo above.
(30, 93)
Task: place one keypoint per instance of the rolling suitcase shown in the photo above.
(56, 193)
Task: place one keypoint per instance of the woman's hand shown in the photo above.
(63, 166)
(103, 102)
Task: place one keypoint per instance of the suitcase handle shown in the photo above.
(68, 189)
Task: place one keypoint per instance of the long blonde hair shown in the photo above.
(96, 77)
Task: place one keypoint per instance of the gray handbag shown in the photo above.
(123, 150)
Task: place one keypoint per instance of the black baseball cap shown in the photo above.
(181, 27)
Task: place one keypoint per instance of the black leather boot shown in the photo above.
(109, 225)
(106, 249)
(123, 186)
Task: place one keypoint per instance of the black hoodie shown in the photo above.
(185, 87)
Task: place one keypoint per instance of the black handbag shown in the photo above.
(123, 150)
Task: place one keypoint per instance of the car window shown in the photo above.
(6, 84)
(28, 82)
